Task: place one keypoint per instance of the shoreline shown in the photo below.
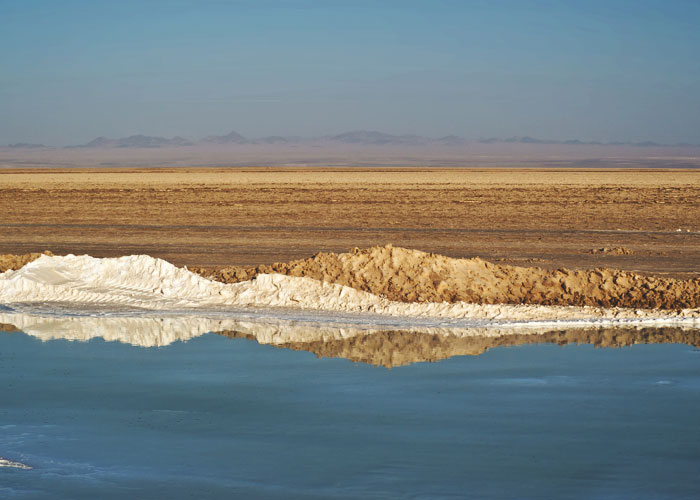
(389, 347)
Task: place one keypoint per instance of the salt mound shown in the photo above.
(153, 284)
(414, 276)
(136, 281)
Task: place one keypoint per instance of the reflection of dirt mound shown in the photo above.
(411, 275)
(397, 348)
(610, 251)
(10, 261)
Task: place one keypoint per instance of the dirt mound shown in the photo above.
(610, 251)
(414, 276)
(14, 262)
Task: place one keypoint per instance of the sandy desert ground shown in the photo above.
(638, 220)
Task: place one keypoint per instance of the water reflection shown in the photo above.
(11, 464)
(398, 348)
(380, 347)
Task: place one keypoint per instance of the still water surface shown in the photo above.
(216, 417)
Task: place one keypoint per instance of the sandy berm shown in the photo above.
(406, 275)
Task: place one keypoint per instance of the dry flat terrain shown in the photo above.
(643, 220)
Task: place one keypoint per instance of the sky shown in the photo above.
(612, 70)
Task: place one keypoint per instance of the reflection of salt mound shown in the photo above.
(378, 346)
(144, 282)
(14, 465)
(143, 332)
(161, 331)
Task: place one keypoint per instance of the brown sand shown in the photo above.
(398, 348)
(10, 261)
(215, 217)
(611, 251)
(414, 276)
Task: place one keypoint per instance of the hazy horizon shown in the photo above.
(367, 137)
(613, 71)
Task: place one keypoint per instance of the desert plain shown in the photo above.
(645, 220)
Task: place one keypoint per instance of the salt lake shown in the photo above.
(223, 417)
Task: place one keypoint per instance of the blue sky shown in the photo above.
(595, 70)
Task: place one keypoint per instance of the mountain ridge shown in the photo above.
(358, 137)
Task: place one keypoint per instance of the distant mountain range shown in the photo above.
(26, 145)
(362, 137)
(576, 142)
(136, 141)
(231, 138)
(371, 137)
(355, 137)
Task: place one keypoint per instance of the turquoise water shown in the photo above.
(222, 418)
